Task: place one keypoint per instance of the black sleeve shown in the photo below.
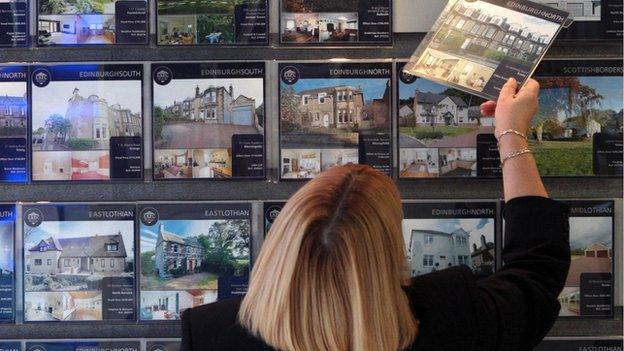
(520, 301)
(187, 341)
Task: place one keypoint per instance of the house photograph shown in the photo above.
(169, 304)
(419, 163)
(51, 165)
(436, 244)
(171, 164)
(206, 113)
(76, 255)
(332, 112)
(582, 10)
(301, 163)
(458, 162)
(177, 30)
(90, 165)
(338, 157)
(572, 111)
(84, 115)
(300, 27)
(13, 109)
(339, 27)
(63, 306)
(7, 261)
(212, 163)
(69, 7)
(591, 245)
(76, 29)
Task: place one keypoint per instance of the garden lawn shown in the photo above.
(557, 158)
(445, 130)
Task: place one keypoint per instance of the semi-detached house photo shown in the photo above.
(13, 109)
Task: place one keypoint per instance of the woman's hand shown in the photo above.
(513, 110)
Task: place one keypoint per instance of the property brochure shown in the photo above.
(476, 45)
(580, 344)
(163, 345)
(439, 235)
(7, 263)
(438, 128)
(588, 290)
(14, 124)
(87, 122)
(593, 19)
(83, 345)
(233, 22)
(208, 120)
(578, 127)
(271, 210)
(318, 22)
(79, 262)
(10, 346)
(14, 23)
(92, 22)
(192, 254)
(334, 114)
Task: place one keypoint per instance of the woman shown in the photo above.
(331, 274)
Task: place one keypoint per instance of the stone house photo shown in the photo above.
(174, 252)
(13, 112)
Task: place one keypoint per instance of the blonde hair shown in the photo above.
(330, 272)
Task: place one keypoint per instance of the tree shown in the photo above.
(84, 6)
(291, 115)
(58, 125)
(52, 7)
(226, 242)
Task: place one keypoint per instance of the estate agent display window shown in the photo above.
(14, 124)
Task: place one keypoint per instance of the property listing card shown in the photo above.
(13, 124)
(14, 22)
(208, 120)
(233, 22)
(580, 344)
(476, 45)
(578, 127)
(271, 210)
(10, 346)
(439, 129)
(192, 254)
(92, 22)
(348, 22)
(593, 19)
(588, 290)
(334, 114)
(79, 262)
(81, 345)
(163, 345)
(87, 122)
(439, 235)
(7, 263)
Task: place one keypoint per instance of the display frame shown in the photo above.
(144, 205)
(35, 67)
(28, 19)
(14, 294)
(337, 62)
(134, 275)
(82, 343)
(153, 65)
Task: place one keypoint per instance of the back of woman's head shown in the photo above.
(330, 271)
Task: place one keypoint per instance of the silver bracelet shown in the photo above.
(511, 131)
(513, 154)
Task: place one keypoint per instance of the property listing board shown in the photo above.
(235, 22)
(14, 124)
(79, 262)
(593, 19)
(87, 122)
(588, 290)
(14, 21)
(326, 22)
(192, 254)
(271, 210)
(334, 114)
(92, 22)
(10, 345)
(208, 120)
(80, 345)
(7, 262)
(580, 344)
(163, 345)
(439, 235)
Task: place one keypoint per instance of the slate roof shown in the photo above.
(85, 246)
(435, 232)
(174, 238)
(433, 98)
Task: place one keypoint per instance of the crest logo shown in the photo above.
(41, 77)
(33, 217)
(407, 78)
(157, 348)
(149, 216)
(290, 75)
(272, 213)
(37, 348)
(163, 75)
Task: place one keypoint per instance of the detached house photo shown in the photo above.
(13, 110)
(174, 252)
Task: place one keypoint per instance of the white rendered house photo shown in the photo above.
(431, 250)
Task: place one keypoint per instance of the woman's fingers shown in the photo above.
(488, 108)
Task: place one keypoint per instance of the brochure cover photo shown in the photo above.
(578, 127)
(208, 120)
(87, 122)
(92, 22)
(81, 345)
(79, 263)
(334, 114)
(7, 263)
(438, 128)
(232, 22)
(162, 345)
(439, 235)
(593, 19)
(476, 45)
(317, 22)
(192, 254)
(588, 289)
(14, 124)
(14, 23)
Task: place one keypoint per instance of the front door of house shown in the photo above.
(326, 121)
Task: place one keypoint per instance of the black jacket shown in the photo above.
(511, 310)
